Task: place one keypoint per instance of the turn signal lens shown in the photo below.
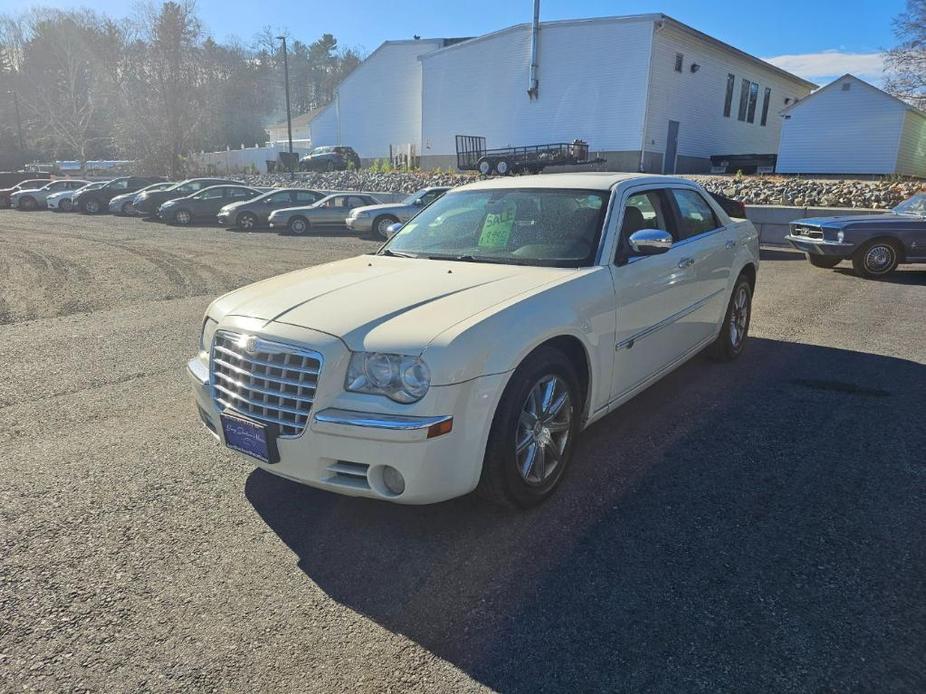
(440, 428)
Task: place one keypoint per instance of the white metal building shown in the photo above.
(644, 91)
(852, 127)
(379, 103)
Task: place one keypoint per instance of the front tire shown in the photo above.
(502, 167)
(824, 261)
(729, 344)
(298, 226)
(533, 432)
(246, 221)
(876, 259)
(380, 224)
(182, 217)
(127, 209)
(28, 204)
(90, 206)
(66, 205)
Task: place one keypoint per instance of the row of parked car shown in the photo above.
(230, 203)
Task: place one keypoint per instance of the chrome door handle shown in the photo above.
(730, 244)
(685, 262)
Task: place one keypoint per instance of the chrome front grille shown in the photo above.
(808, 231)
(271, 382)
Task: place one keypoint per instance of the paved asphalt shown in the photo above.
(749, 527)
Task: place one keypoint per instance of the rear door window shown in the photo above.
(695, 215)
(304, 196)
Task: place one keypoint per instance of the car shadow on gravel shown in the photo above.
(766, 253)
(909, 275)
(754, 526)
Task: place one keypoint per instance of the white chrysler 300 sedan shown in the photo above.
(470, 350)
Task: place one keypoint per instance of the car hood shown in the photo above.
(236, 205)
(845, 220)
(378, 303)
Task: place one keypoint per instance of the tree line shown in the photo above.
(153, 88)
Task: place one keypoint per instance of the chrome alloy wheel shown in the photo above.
(543, 431)
(739, 317)
(879, 258)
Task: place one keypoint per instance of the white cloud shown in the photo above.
(825, 66)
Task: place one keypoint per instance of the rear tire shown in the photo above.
(90, 206)
(485, 166)
(182, 217)
(533, 432)
(729, 344)
(127, 209)
(876, 258)
(298, 226)
(380, 224)
(825, 261)
(28, 204)
(502, 167)
(66, 205)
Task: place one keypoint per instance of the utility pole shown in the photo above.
(289, 116)
(19, 123)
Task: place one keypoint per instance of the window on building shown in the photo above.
(679, 61)
(753, 98)
(765, 102)
(728, 99)
(744, 99)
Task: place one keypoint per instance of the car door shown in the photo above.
(334, 211)
(210, 201)
(653, 294)
(710, 247)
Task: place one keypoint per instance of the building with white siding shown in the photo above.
(852, 127)
(644, 91)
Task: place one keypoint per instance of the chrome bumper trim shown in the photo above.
(199, 370)
(371, 420)
(822, 242)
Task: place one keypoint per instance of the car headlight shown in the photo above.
(208, 331)
(357, 215)
(399, 377)
(840, 236)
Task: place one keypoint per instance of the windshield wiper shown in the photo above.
(470, 258)
(397, 254)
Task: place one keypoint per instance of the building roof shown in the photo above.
(866, 85)
(299, 121)
(652, 17)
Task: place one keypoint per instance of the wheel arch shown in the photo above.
(896, 242)
(750, 271)
(577, 353)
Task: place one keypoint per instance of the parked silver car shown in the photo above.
(35, 199)
(378, 218)
(327, 212)
(64, 200)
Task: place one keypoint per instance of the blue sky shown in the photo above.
(814, 38)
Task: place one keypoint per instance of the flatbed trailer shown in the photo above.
(472, 155)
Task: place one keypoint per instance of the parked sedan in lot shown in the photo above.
(330, 159)
(34, 199)
(330, 211)
(205, 204)
(148, 202)
(378, 218)
(64, 201)
(92, 201)
(471, 350)
(249, 214)
(122, 204)
(30, 184)
(876, 244)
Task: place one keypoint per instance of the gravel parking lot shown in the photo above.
(747, 527)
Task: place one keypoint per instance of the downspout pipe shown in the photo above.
(533, 89)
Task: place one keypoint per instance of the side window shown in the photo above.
(120, 185)
(645, 210)
(356, 202)
(239, 193)
(303, 196)
(212, 194)
(695, 215)
(431, 196)
(191, 187)
(279, 197)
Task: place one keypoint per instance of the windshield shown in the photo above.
(534, 226)
(915, 205)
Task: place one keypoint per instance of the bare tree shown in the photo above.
(906, 63)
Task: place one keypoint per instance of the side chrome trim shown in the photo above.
(371, 420)
(629, 342)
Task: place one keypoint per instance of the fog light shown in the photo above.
(840, 236)
(393, 480)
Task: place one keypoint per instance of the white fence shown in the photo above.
(243, 160)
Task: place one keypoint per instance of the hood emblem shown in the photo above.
(250, 344)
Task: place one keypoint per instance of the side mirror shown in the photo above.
(393, 229)
(650, 241)
(419, 202)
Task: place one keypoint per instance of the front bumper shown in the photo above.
(820, 246)
(349, 440)
(360, 224)
(223, 219)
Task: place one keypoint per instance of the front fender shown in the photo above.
(497, 340)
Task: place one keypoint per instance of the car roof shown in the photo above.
(584, 180)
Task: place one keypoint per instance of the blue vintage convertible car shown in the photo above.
(875, 244)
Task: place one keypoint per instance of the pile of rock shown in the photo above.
(395, 182)
(805, 192)
(751, 190)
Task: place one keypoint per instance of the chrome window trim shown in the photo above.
(372, 420)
